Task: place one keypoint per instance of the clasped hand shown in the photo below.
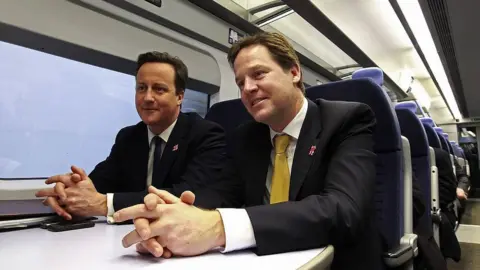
(166, 225)
(74, 194)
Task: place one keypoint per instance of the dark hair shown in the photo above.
(181, 71)
(278, 46)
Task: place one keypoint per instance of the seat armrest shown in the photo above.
(403, 253)
(436, 216)
(320, 262)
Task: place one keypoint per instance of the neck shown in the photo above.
(160, 127)
(286, 116)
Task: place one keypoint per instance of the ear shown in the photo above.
(296, 73)
(180, 97)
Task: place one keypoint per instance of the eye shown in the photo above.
(240, 84)
(140, 88)
(159, 89)
(259, 74)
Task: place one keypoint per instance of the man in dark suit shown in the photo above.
(304, 173)
(171, 150)
(463, 187)
(447, 184)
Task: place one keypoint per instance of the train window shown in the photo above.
(55, 112)
(195, 101)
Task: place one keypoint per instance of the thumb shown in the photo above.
(80, 172)
(187, 197)
(152, 200)
(76, 178)
(166, 196)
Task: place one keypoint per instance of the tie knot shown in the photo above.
(281, 143)
(157, 141)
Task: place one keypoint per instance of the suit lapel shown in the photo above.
(171, 149)
(141, 148)
(304, 154)
(258, 155)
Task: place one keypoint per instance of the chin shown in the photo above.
(261, 116)
(150, 120)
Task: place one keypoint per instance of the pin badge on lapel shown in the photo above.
(312, 150)
(175, 147)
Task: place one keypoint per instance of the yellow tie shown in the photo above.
(281, 175)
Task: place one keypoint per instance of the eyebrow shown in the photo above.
(154, 84)
(256, 66)
(160, 84)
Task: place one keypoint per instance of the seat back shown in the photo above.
(446, 145)
(388, 147)
(373, 73)
(432, 135)
(413, 130)
(449, 145)
(229, 114)
(433, 142)
(443, 142)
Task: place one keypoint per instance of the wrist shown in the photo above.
(219, 230)
(102, 209)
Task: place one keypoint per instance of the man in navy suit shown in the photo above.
(303, 171)
(168, 149)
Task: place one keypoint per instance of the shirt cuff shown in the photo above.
(110, 210)
(238, 229)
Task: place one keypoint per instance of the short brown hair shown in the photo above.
(280, 49)
(181, 70)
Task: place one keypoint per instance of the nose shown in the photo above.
(148, 95)
(249, 85)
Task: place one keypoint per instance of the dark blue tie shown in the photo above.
(157, 155)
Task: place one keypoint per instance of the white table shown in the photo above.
(100, 248)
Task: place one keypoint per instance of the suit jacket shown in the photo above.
(198, 160)
(462, 178)
(447, 189)
(429, 256)
(331, 191)
(418, 203)
(447, 183)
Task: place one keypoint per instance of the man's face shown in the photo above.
(267, 90)
(155, 98)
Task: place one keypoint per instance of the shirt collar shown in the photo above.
(293, 128)
(164, 135)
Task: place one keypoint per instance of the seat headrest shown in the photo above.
(387, 134)
(409, 105)
(445, 135)
(374, 73)
(439, 130)
(467, 140)
(427, 120)
(229, 114)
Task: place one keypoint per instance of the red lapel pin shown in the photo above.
(312, 150)
(175, 147)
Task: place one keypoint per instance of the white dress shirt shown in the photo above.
(164, 136)
(238, 227)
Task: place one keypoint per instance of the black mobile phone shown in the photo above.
(58, 219)
(68, 226)
(46, 223)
